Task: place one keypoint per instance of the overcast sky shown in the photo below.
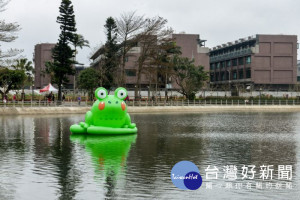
(217, 21)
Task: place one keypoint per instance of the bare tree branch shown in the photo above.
(153, 34)
(129, 25)
(8, 33)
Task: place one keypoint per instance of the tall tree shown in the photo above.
(25, 66)
(190, 78)
(9, 79)
(88, 80)
(129, 26)
(111, 57)
(62, 54)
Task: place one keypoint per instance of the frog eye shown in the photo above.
(121, 93)
(101, 93)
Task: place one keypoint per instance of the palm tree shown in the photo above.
(26, 66)
(78, 41)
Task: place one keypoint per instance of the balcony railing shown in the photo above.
(231, 55)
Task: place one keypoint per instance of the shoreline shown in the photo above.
(156, 109)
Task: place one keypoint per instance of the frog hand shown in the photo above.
(84, 125)
(132, 125)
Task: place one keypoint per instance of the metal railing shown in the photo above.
(212, 102)
(46, 104)
(150, 103)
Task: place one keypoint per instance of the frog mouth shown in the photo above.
(110, 119)
(101, 106)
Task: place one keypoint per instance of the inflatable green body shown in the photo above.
(108, 115)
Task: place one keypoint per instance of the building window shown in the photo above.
(241, 61)
(248, 59)
(248, 73)
(218, 65)
(228, 77)
(298, 78)
(228, 63)
(234, 62)
(241, 74)
(217, 76)
(212, 66)
(212, 77)
(130, 72)
(234, 75)
(223, 76)
(223, 65)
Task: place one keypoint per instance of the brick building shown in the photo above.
(256, 62)
(42, 54)
(191, 46)
(194, 48)
(298, 71)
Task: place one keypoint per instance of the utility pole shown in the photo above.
(229, 81)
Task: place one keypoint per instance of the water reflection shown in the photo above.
(12, 154)
(39, 159)
(109, 155)
(36, 155)
(214, 139)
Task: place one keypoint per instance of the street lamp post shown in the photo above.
(148, 87)
(32, 94)
(135, 92)
(260, 89)
(74, 85)
(229, 80)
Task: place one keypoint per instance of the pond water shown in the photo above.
(40, 160)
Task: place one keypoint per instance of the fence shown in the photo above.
(154, 103)
(46, 104)
(213, 102)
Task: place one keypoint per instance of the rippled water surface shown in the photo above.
(40, 160)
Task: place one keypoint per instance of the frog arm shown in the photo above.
(128, 122)
(88, 120)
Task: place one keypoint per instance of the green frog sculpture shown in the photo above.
(108, 115)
